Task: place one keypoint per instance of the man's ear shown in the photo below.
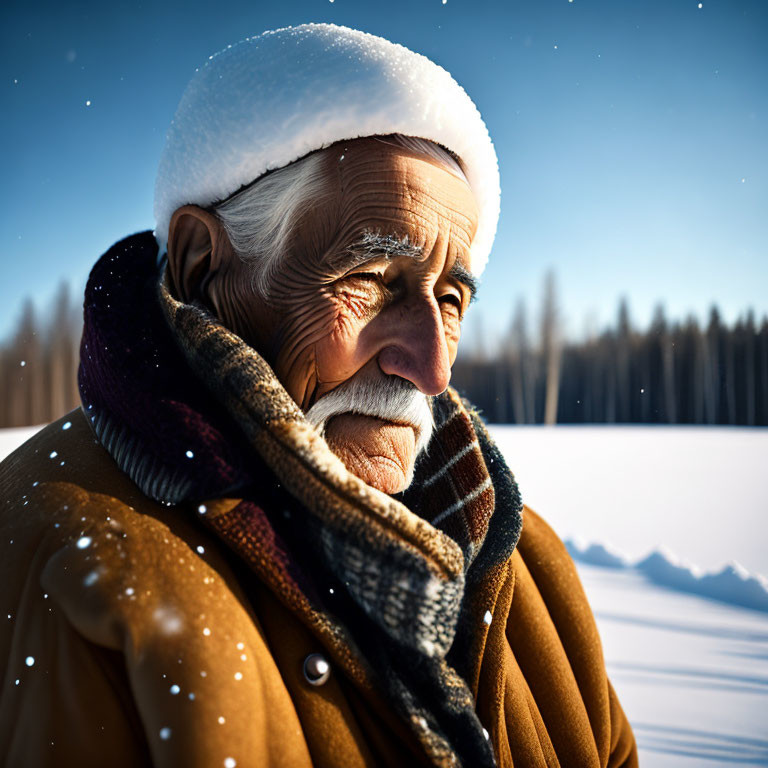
(194, 251)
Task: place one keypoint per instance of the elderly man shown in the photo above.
(273, 536)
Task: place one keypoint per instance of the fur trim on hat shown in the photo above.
(269, 100)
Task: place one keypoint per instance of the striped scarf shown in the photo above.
(401, 585)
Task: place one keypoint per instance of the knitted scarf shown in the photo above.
(398, 589)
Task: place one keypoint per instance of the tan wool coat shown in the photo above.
(128, 638)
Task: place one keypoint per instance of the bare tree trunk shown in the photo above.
(5, 389)
(518, 401)
(749, 368)
(58, 347)
(608, 360)
(668, 374)
(699, 372)
(763, 366)
(28, 393)
(730, 379)
(623, 379)
(500, 390)
(551, 349)
(525, 397)
(73, 355)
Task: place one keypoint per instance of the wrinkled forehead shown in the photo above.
(395, 190)
(394, 151)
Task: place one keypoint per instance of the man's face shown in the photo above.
(375, 288)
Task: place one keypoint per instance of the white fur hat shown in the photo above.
(269, 100)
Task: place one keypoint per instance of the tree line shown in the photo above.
(677, 372)
(670, 373)
(38, 363)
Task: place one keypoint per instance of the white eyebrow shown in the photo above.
(374, 245)
(459, 272)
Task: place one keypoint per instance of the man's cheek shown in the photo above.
(452, 342)
(307, 323)
(339, 354)
(298, 335)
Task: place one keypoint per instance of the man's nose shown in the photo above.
(415, 349)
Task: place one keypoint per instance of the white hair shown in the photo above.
(260, 220)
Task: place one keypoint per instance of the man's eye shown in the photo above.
(452, 299)
(373, 281)
(361, 277)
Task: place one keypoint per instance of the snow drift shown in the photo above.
(733, 584)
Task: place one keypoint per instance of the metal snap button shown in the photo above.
(316, 669)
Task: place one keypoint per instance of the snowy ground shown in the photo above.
(10, 439)
(701, 492)
(691, 672)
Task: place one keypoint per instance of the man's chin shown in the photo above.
(381, 453)
(381, 473)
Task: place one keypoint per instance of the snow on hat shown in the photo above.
(271, 99)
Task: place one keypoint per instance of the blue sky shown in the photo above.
(631, 137)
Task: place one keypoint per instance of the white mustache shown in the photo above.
(392, 399)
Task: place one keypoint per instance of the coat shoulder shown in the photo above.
(138, 604)
(535, 527)
(542, 550)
